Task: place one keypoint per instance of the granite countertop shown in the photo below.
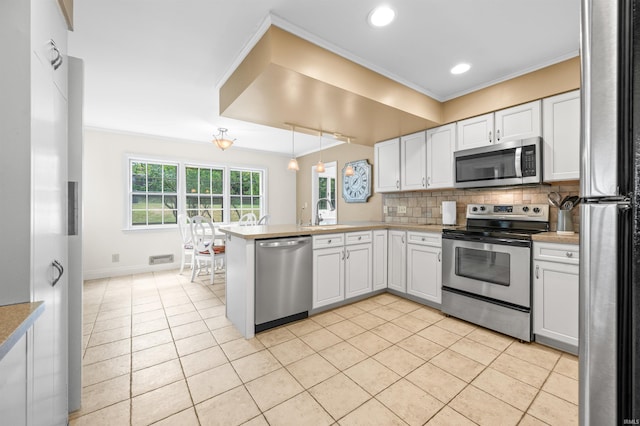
(277, 231)
(554, 237)
(15, 320)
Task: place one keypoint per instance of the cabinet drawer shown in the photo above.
(564, 253)
(328, 240)
(358, 237)
(425, 239)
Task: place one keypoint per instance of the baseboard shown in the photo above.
(97, 274)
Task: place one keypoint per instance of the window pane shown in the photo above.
(218, 202)
(235, 215)
(255, 184)
(139, 217)
(139, 202)
(154, 176)
(246, 202)
(192, 180)
(192, 202)
(246, 183)
(217, 181)
(256, 203)
(155, 217)
(205, 202)
(171, 202)
(170, 178)
(205, 181)
(170, 216)
(155, 202)
(192, 213)
(139, 177)
(217, 216)
(235, 182)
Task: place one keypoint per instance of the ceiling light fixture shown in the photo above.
(460, 68)
(381, 16)
(293, 163)
(348, 171)
(320, 165)
(220, 140)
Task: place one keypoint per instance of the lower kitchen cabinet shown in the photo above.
(379, 260)
(357, 267)
(397, 261)
(556, 295)
(328, 276)
(424, 267)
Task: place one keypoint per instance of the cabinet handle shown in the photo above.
(348, 253)
(429, 180)
(537, 271)
(56, 58)
(60, 270)
(342, 254)
(439, 256)
(329, 242)
(398, 184)
(489, 136)
(423, 239)
(403, 239)
(423, 183)
(569, 254)
(360, 237)
(498, 134)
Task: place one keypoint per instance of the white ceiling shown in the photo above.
(154, 66)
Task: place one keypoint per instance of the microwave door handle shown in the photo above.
(519, 162)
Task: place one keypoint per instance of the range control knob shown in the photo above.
(525, 209)
(474, 209)
(536, 209)
(482, 208)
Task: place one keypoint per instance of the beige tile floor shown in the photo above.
(158, 349)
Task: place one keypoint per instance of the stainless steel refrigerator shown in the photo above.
(609, 219)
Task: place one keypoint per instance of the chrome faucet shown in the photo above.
(318, 217)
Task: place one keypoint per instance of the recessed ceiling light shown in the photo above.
(460, 68)
(381, 16)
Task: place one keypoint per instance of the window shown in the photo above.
(153, 193)
(205, 192)
(326, 189)
(245, 195)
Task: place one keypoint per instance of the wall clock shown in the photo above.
(357, 188)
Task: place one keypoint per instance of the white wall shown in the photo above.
(105, 192)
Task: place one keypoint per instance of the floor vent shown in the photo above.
(162, 258)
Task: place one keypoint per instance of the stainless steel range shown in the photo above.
(486, 267)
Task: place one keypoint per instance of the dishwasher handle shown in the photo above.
(281, 244)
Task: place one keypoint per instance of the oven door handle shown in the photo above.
(519, 162)
(488, 240)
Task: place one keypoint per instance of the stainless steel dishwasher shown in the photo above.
(283, 281)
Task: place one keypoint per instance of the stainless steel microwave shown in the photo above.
(510, 163)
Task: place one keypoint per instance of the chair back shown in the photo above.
(264, 220)
(184, 225)
(202, 232)
(247, 219)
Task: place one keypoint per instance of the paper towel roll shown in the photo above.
(448, 212)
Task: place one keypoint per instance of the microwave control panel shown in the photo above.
(529, 161)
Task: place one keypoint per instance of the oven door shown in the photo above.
(498, 269)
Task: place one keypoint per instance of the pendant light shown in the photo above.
(348, 171)
(220, 140)
(320, 165)
(293, 163)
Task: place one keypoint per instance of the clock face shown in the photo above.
(357, 188)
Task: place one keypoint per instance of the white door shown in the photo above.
(519, 122)
(387, 166)
(474, 132)
(413, 162)
(555, 301)
(440, 146)
(328, 276)
(397, 261)
(424, 272)
(561, 134)
(358, 279)
(379, 259)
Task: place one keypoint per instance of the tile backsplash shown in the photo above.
(424, 207)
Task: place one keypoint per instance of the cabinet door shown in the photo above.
(561, 133)
(440, 147)
(379, 265)
(519, 122)
(397, 261)
(474, 132)
(357, 266)
(413, 162)
(328, 276)
(424, 272)
(387, 166)
(555, 301)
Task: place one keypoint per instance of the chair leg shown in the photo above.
(193, 270)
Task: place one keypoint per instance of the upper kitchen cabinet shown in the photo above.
(561, 133)
(441, 143)
(413, 162)
(387, 166)
(519, 122)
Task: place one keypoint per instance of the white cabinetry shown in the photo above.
(424, 266)
(379, 261)
(519, 122)
(556, 294)
(561, 133)
(341, 267)
(397, 261)
(440, 146)
(413, 162)
(387, 166)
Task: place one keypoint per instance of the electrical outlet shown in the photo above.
(115, 258)
(385, 209)
(402, 209)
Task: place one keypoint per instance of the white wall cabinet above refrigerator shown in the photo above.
(387, 166)
(561, 134)
(518, 122)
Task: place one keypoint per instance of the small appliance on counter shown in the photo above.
(448, 212)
